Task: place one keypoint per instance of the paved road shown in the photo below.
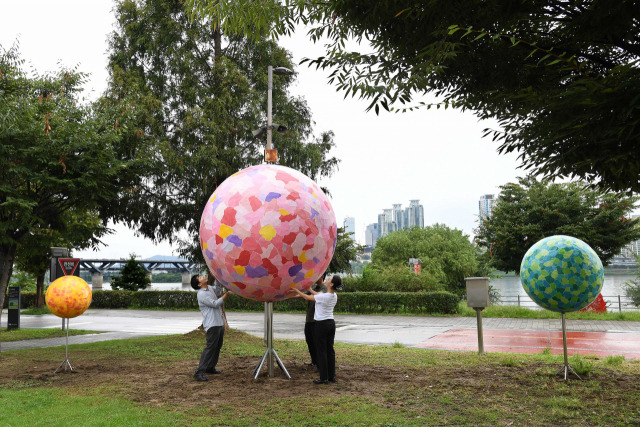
(356, 329)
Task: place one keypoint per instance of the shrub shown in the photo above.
(391, 279)
(351, 302)
(111, 299)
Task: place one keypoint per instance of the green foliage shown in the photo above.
(132, 277)
(447, 255)
(614, 360)
(199, 96)
(561, 78)
(59, 160)
(346, 252)
(582, 366)
(353, 302)
(632, 287)
(112, 299)
(532, 210)
(26, 281)
(391, 279)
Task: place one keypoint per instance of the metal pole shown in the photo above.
(564, 344)
(479, 322)
(66, 350)
(270, 340)
(619, 305)
(518, 300)
(266, 322)
(269, 87)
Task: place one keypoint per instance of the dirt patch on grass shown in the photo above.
(170, 383)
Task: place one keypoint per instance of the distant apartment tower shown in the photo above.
(349, 225)
(485, 206)
(371, 235)
(395, 219)
(414, 214)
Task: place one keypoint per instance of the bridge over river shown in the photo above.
(98, 267)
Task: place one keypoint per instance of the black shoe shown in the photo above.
(200, 377)
(320, 382)
(213, 371)
(332, 380)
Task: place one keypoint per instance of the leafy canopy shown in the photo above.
(60, 160)
(200, 95)
(531, 210)
(132, 277)
(560, 77)
(447, 255)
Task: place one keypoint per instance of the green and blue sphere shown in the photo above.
(562, 274)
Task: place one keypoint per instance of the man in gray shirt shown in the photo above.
(213, 323)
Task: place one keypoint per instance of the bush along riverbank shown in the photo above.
(350, 302)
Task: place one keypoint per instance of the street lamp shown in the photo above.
(271, 155)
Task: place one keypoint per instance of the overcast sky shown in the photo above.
(435, 156)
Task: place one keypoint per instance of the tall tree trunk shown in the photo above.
(7, 254)
(217, 43)
(40, 289)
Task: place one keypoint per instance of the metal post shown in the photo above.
(270, 340)
(480, 338)
(266, 322)
(567, 367)
(269, 88)
(518, 300)
(619, 304)
(270, 354)
(66, 361)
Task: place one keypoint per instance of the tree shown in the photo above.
(446, 254)
(531, 210)
(346, 251)
(132, 277)
(200, 95)
(632, 287)
(560, 77)
(79, 230)
(56, 155)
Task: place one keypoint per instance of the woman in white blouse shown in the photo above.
(325, 328)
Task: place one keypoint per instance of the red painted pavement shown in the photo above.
(601, 344)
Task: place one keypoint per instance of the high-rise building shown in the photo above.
(395, 219)
(485, 206)
(349, 225)
(371, 235)
(398, 217)
(414, 214)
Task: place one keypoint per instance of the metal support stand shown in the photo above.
(480, 337)
(65, 362)
(567, 368)
(270, 354)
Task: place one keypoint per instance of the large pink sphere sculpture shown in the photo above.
(267, 229)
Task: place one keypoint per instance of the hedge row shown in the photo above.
(352, 302)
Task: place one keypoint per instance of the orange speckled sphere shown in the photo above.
(68, 297)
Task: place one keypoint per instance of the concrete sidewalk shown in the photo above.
(412, 331)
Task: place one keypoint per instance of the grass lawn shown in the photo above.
(512, 311)
(32, 334)
(148, 382)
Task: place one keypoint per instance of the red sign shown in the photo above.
(68, 265)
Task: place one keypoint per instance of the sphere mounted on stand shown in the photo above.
(267, 229)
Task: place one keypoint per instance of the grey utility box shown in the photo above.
(477, 292)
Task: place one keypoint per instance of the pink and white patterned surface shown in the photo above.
(267, 229)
